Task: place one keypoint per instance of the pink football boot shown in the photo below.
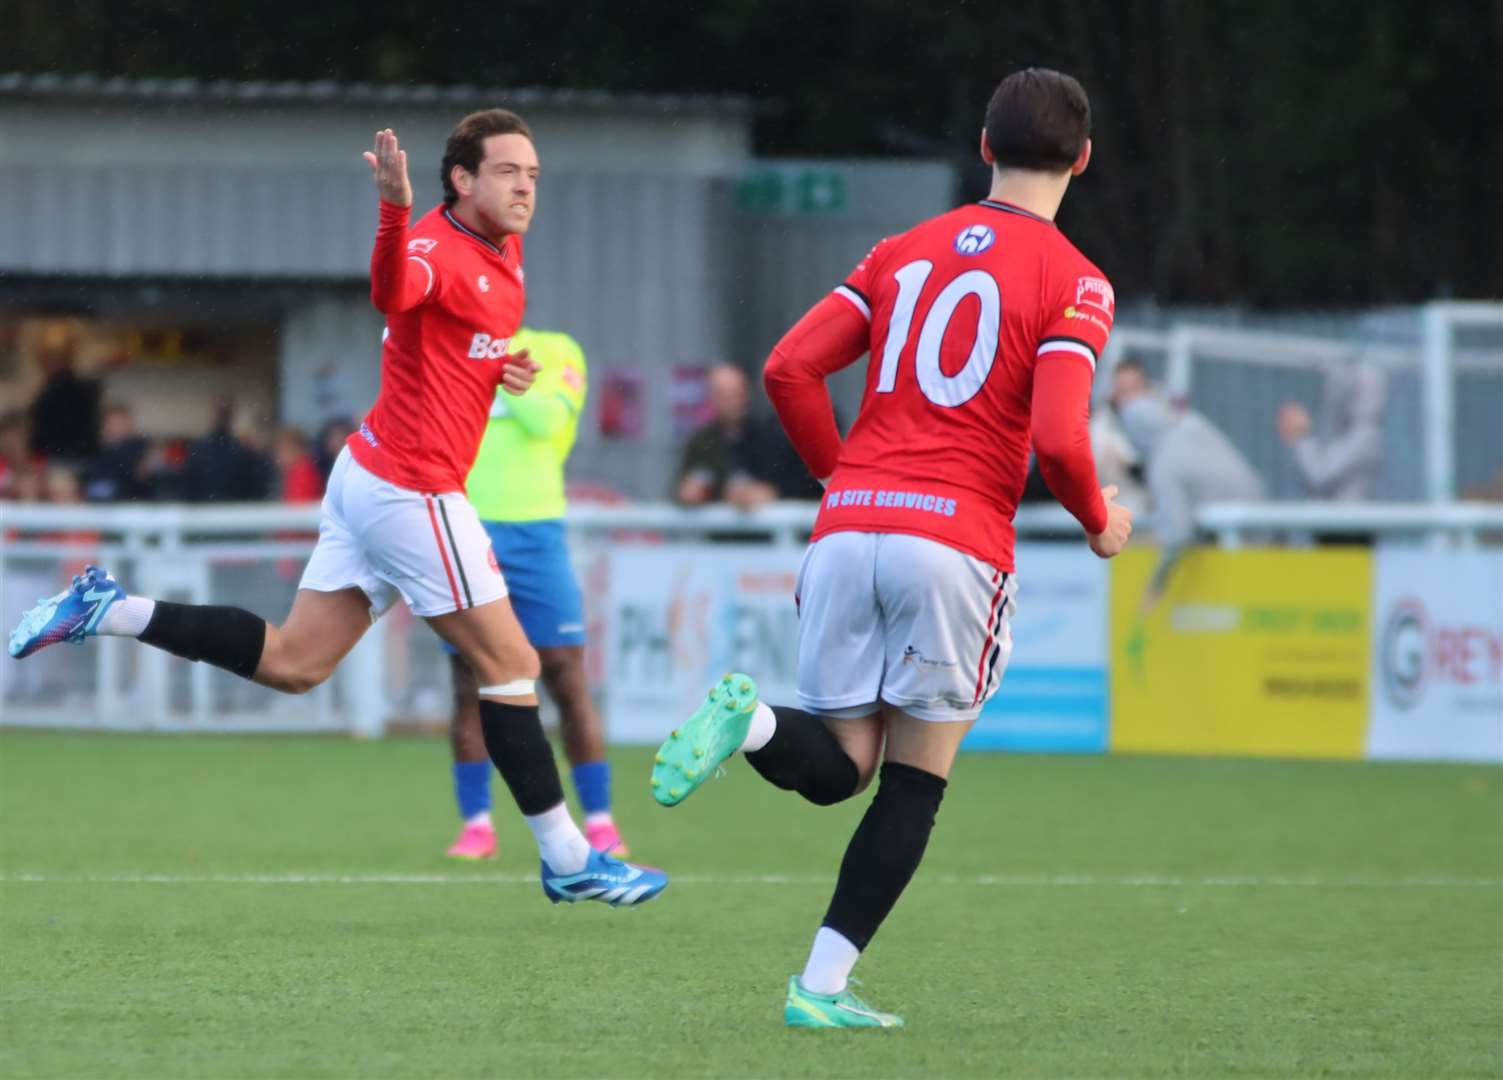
(476, 841)
(605, 837)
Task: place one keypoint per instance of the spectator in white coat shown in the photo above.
(1342, 461)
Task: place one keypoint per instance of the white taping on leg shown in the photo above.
(515, 688)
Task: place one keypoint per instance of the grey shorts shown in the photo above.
(887, 617)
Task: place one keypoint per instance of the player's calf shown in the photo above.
(882, 856)
(801, 754)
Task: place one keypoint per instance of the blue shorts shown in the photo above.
(540, 580)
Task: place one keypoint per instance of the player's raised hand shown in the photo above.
(389, 166)
(1113, 538)
(519, 371)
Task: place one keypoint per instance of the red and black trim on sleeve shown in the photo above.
(1062, 343)
(856, 297)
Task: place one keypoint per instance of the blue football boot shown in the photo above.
(71, 615)
(617, 883)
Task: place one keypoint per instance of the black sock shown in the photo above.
(515, 741)
(227, 637)
(884, 853)
(803, 756)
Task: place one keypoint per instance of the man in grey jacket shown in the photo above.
(1188, 460)
(1343, 464)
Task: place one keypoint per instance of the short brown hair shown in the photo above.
(466, 145)
(1038, 119)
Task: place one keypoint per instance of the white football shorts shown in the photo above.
(887, 617)
(429, 548)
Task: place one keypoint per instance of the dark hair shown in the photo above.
(466, 145)
(1038, 119)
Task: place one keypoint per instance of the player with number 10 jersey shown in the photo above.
(983, 327)
(961, 308)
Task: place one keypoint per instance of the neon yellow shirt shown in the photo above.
(519, 472)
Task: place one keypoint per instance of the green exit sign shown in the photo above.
(792, 190)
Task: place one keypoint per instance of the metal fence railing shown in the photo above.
(252, 556)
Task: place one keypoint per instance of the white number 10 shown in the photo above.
(944, 390)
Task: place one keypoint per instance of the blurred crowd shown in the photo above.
(69, 447)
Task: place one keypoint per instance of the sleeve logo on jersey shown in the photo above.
(420, 246)
(573, 378)
(974, 239)
(1095, 292)
(1073, 312)
(484, 283)
(485, 347)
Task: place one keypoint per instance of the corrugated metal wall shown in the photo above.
(649, 272)
(184, 221)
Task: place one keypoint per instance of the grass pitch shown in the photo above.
(205, 907)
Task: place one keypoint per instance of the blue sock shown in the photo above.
(593, 782)
(472, 787)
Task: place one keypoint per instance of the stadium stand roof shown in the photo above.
(82, 88)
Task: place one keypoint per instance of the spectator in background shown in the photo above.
(738, 458)
(20, 467)
(301, 481)
(121, 470)
(65, 414)
(223, 467)
(1188, 462)
(1342, 463)
(330, 441)
(60, 484)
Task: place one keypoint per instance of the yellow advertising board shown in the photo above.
(1261, 652)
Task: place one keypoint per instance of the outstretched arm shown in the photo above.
(399, 281)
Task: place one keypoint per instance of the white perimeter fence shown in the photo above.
(252, 556)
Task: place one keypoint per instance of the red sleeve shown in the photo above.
(399, 281)
(832, 335)
(1079, 316)
(1062, 437)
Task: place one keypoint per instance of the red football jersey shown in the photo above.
(452, 301)
(960, 307)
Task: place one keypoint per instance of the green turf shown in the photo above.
(1298, 919)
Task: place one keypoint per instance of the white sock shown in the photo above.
(128, 617)
(763, 723)
(830, 962)
(601, 818)
(482, 818)
(561, 844)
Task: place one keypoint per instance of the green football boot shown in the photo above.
(698, 746)
(805, 1009)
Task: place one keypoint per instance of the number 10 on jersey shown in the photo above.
(948, 391)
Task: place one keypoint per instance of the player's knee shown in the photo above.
(529, 664)
(301, 678)
(513, 663)
(284, 671)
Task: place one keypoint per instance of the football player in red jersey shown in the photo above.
(984, 326)
(396, 523)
